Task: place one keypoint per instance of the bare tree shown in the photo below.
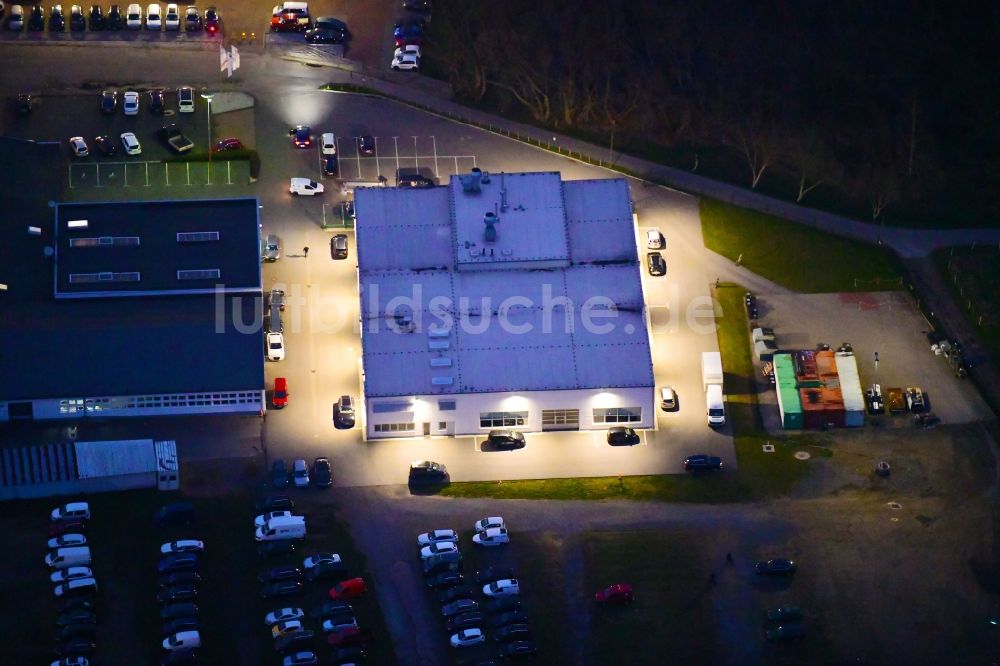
(758, 142)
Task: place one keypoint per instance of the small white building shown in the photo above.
(502, 301)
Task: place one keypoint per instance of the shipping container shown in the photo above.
(825, 363)
(850, 389)
(789, 403)
(833, 408)
(813, 409)
(805, 369)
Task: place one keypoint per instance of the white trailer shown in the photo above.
(711, 369)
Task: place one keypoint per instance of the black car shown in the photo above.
(177, 514)
(297, 640)
(338, 247)
(414, 180)
(57, 22)
(327, 571)
(279, 474)
(622, 436)
(183, 656)
(324, 36)
(702, 463)
(76, 20)
(96, 19)
(115, 19)
(502, 605)
(179, 562)
(348, 654)
(76, 647)
(655, 264)
(275, 548)
(750, 302)
(505, 440)
(212, 21)
(192, 20)
(180, 578)
(464, 621)
(180, 624)
(187, 592)
(280, 588)
(775, 567)
(494, 574)
(518, 650)
(321, 475)
(109, 102)
(75, 603)
(301, 136)
(76, 630)
(445, 580)
(510, 617)
(329, 608)
(37, 19)
(456, 593)
(512, 632)
(344, 414)
(174, 611)
(76, 615)
(330, 23)
(275, 503)
(279, 573)
(23, 104)
(156, 101)
(330, 165)
(366, 145)
(417, 5)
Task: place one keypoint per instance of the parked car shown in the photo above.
(180, 624)
(76, 647)
(276, 548)
(182, 546)
(279, 399)
(280, 588)
(36, 21)
(338, 246)
(67, 540)
(156, 101)
(283, 615)
(655, 264)
(488, 523)
(366, 144)
(96, 20)
(77, 630)
(775, 567)
(76, 615)
(324, 36)
(106, 145)
(510, 617)
(457, 592)
(614, 595)
(76, 20)
(668, 399)
(622, 436)
(275, 503)
(213, 21)
(131, 144)
(75, 603)
(330, 608)
(502, 588)
(279, 474)
(344, 414)
(260, 520)
(71, 512)
(339, 622)
(192, 19)
(175, 515)
(180, 578)
(435, 536)
(78, 586)
(494, 573)
(57, 23)
(185, 99)
(495, 536)
(459, 606)
(785, 614)
(702, 462)
(300, 473)
(223, 145)
(348, 589)
(294, 641)
(464, 621)
(502, 605)
(303, 658)
(275, 346)
(406, 59)
(512, 632)
(176, 593)
(438, 548)
(317, 559)
(79, 146)
(70, 573)
(505, 440)
(467, 638)
(180, 562)
(116, 21)
(71, 527)
(286, 627)
(445, 580)
(130, 103)
(330, 165)
(174, 611)
(172, 19)
(518, 650)
(321, 474)
(655, 240)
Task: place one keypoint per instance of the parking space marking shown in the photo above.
(112, 174)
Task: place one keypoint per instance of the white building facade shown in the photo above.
(504, 301)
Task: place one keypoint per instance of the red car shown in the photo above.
(349, 636)
(280, 398)
(228, 144)
(348, 589)
(615, 595)
(58, 529)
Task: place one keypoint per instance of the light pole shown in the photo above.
(208, 98)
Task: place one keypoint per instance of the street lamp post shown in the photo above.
(208, 98)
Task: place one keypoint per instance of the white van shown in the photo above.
(16, 20)
(70, 512)
(153, 21)
(716, 409)
(287, 527)
(74, 556)
(182, 640)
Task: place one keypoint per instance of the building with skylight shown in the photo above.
(502, 301)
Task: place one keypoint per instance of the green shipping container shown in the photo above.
(789, 403)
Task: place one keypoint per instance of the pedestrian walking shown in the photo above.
(305, 251)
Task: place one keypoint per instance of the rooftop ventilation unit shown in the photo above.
(199, 274)
(490, 220)
(472, 183)
(77, 224)
(197, 236)
(442, 381)
(441, 362)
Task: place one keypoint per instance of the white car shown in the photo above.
(72, 573)
(502, 588)
(405, 61)
(409, 49)
(488, 523)
(133, 19)
(79, 146)
(182, 546)
(181, 640)
(131, 144)
(495, 536)
(439, 548)
(153, 18)
(71, 512)
(263, 518)
(67, 540)
(172, 21)
(130, 103)
(328, 145)
(75, 586)
(320, 558)
(275, 347)
(71, 661)
(435, 536)
(283, 615)
(655, 240)
(339, 622)
(185, 99)
(305, 186)
(283, 628)
(468, 637)
(300, 473)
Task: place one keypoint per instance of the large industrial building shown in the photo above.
(502, 301)
(132, 309)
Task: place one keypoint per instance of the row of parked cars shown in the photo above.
(75, 586)
(132, 18)
(408, 35)
(466, 619)
(177, 595)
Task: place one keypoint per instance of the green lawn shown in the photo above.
(972, 275)
(793, 255)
